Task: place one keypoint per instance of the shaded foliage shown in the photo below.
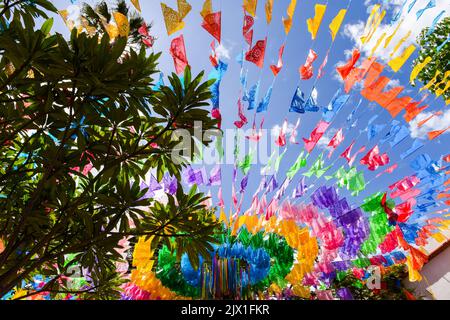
(439, 59)
(79, 129)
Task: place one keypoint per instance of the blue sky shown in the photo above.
(297, 46)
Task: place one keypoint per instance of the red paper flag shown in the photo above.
(243, 120)
(418, 258)
(316, 134)
(447, 158)
(388, 170)
(256, 54)
(403, 187)
(362, 149)
(178, 52)
(404, 210)
(345, 69)
(212, 23)
(247, 31)
(276, 68)
(281, 140)
(322, 66)
(357, 74)
(215, 113)
(346, 153)
(373, 159)
(306, 70)
(256, 134)
(390, 242)
(408, 295)
(336, 141)
(147, 39)
(413, 109)
(213, 56)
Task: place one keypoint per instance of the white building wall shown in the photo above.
(436, 275)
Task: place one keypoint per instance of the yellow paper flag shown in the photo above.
(64, 14)
(314, 23)
(389, 39)
(287, 22)
(207, 8)
(439, 91)
(123, 27)
(143, 254)
(398, 62)
(398, 45)
(89, 29)
(301, 291)
(223, 217)
(372, 24)
(439, 237)
(112, 30)
(335, 24)
(269, 7)
(183, 8)
(172, 19)
(136, 5)
(417, 68)
(414, 275)
(375, 47)
(431, 82)
(251, 223)
(250, 6)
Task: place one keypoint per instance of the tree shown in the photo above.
(101, 16)
(80, 127)
(439, 59)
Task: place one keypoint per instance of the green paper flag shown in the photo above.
(317, 168)
(278, 161)
(378, 222)
(299, 163)
(246, 163)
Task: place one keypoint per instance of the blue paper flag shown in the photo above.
(265, 101)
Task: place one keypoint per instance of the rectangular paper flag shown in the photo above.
(178, 52)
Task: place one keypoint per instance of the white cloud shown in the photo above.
(435, 123)
(326, 138)
(74, 12)
(393, 83)
(222, 52)
(276, 129)
(410, 23)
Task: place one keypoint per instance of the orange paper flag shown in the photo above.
(268, 8)
(250, 6)
(434, 134)
(287, 22)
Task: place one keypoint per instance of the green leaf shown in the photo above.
(47, 26)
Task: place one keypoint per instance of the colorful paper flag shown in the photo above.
(178, 53)
(314, 23)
